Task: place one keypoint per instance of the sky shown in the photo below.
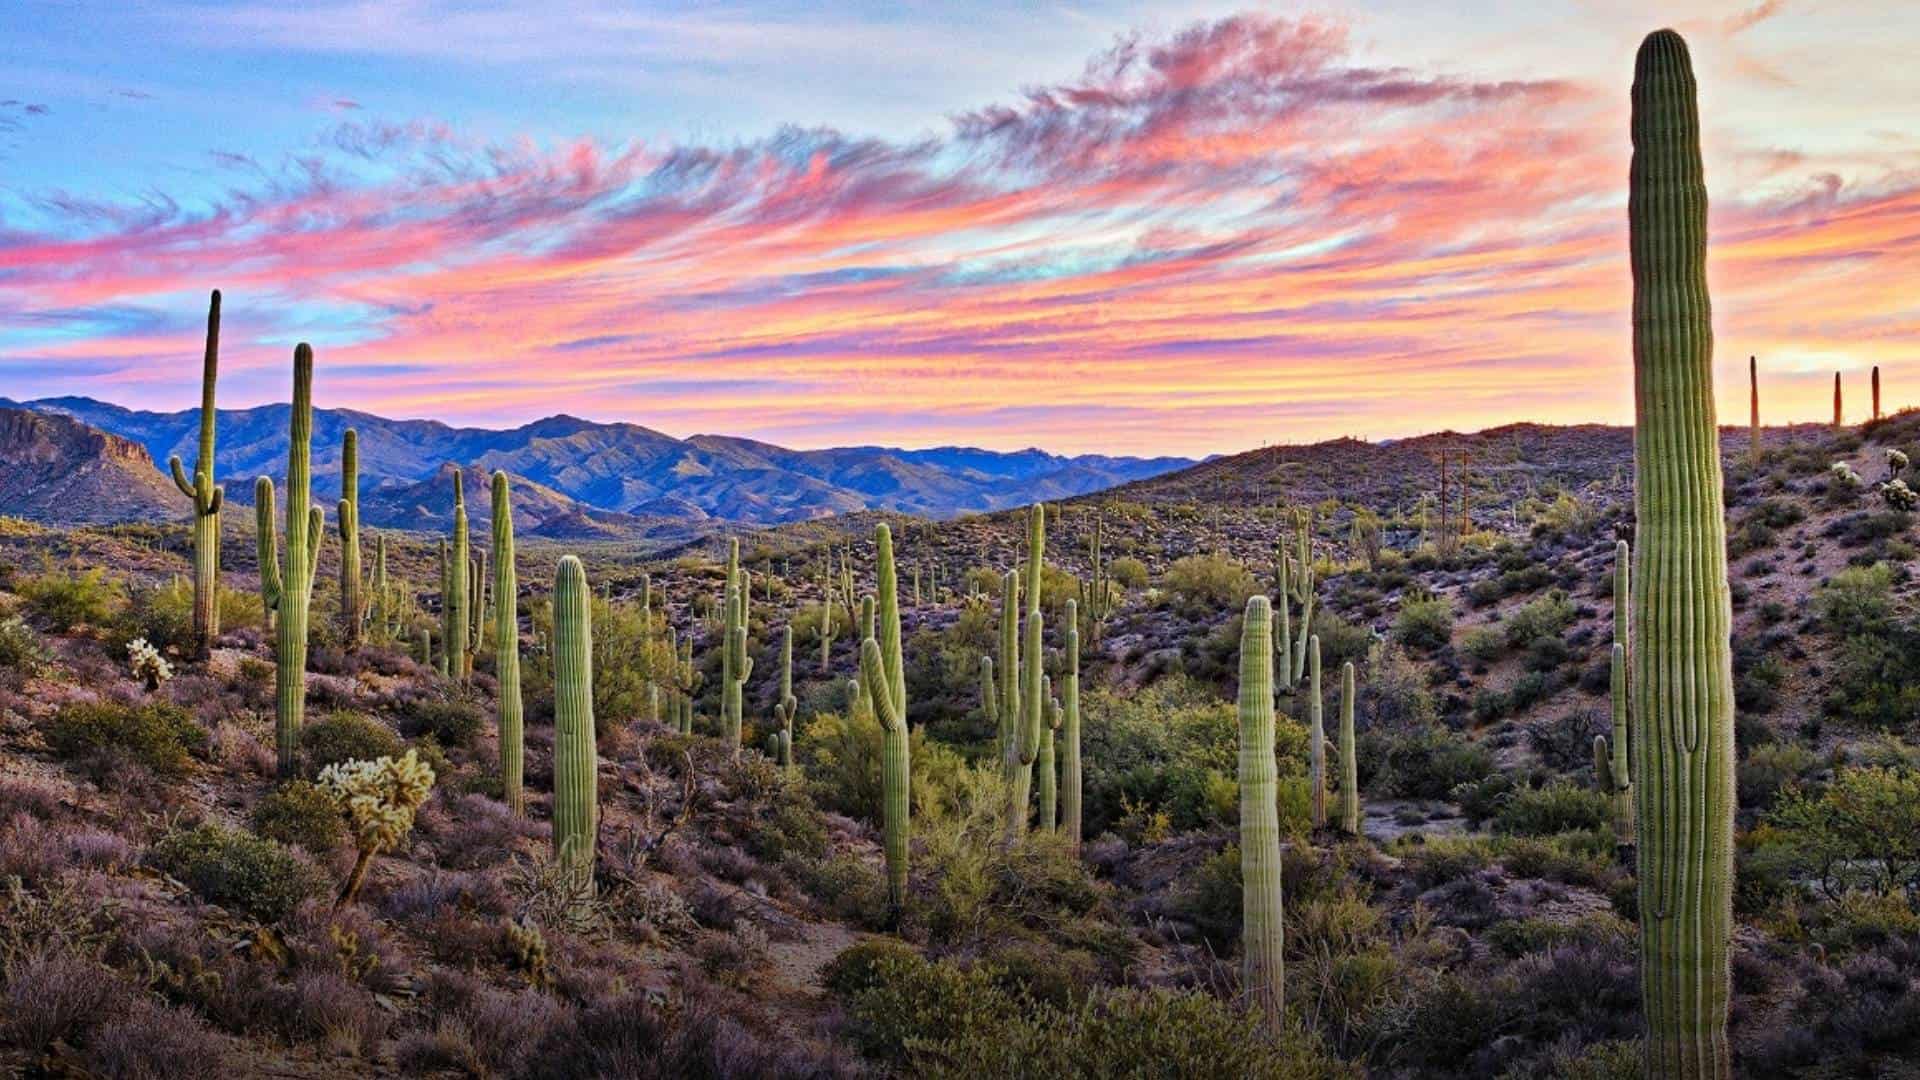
(1110, 226)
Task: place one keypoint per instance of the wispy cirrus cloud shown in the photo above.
(1228, 234)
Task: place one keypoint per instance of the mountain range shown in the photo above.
(604, 478)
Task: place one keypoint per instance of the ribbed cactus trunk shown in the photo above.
(383, 624)
(289, 588)
(788, 704)
(1046, 767)
(883, 677)
(736, 667)
(1261, 965)
(1316, 734)
(1023, 747)
(207, 498)
(506, 644)
(1611, 768)
(689, 682)
(1070, 778)
(828, 616)
(353, 603)
(1349, 758)
(453, 634)
(576, 777)
(649, 643)
(478, 587)
(1681, 656)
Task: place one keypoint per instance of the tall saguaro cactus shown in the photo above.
(576, 774)
(1070, 813)
(1023, 744)
(1753, 394)
(506, 644)
(788, 705)
(1839, 419)
(1610, 765)
(883, 678)
(735, 665)
(456, 576)
(353, 604)
(1316, 734)
(207, 498)
(288, 590)
(1876, 391)
(1681, 655)
(1349, 761)
(1045, 763)
(1262, 976)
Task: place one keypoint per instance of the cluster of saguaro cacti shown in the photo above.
(1681, 652)
(576, 804)
(353, 602)
(506, 643)
(456, 577)
(1610, 766)
(883, 679)
(288, 589)
(1349, 756)
(1262, 935)
(785, 709)
(1099, 589)
(735, 665)
(207, 498)
(1015, 703)
(1294, 576)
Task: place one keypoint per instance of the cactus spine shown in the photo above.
(1070, 813)
(1681, 657)
(1262, 976)
(788, 705)
(1316, 734)
(735, 665)
(506, 644)
(207, 498)
(288, 590)
(1349, 761)
(576, 804)
(883, 678)
(455, 577)
(353, 602)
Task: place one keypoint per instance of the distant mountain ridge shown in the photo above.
(633, 473)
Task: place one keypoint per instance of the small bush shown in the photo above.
(1209, 582)
(1129, 572)
(1545, 616)
(21, 649)
(238, 870)
(1482, 644)
(68, 600)
(299, 814)
(158, 735)
(1556, 808)
(1427, 763)
(345, 736)
(451, 722)
(1424, 623)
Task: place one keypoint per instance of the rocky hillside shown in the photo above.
(56, 469)
(630, 469)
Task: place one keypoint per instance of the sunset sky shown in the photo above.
(1122, 227)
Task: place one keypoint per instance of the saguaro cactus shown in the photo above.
(289, 590)
(382, 590)
(353, 603)
(207, 498)
(1316, 734)
(1349, 761)
(735, 665)
(828, 616)
(1045, 764)
(1753, 393)
(1070, 814)
(1262, 976)
(1681, 655)
(576, 774)
(506, 644)
(1838, 420)
(1876, 391)
(788, 705)
(1611, 769)
(883, 678)
(456, 577)
(426, 647)
(1023, 745)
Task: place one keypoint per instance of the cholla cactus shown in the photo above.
(147, 664)
(1844, 473)
(379, 799)
(1899, 496)
(1896, 460)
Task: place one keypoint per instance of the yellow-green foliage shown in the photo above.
(158, 735)
(1860, 832)
(65, 600)
(300, 814)
(237, 869)
(1209, 582)
(346, 736)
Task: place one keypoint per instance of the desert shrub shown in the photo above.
(1861, 832)
(238, 870)
(161, 614)
(1876, 682)
(1442, 860)
(21, 649)
(896, 1001)
(66, 600)
(1424, 623)
(1483, 644)
(1561, 806)
(1394, 695)
(1543, 616)
(346, 736)
(55, 995)
(1129, 572)
(1857, 600)
(299, 814)
(453, 721)
(1209, 583)
(1518, 937)
(1769, 769)
(158, 735)
(1426, 763)
(840, 758)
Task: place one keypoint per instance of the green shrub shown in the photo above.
(347, 736)
(1209, 582)
(1543, 616)
(1129, 572)
(1861, 832)
(1443, 859)
(299, 814)
(448, 721)
(1518, 937)
(66, 600)
(163, 615)
(901, 1001)
(1424, 623)
(21, 649)
(1768, 769)
(161, 736)
(238, 870)
(1857, 600)
(1425, 763)
(867, 965)
(1561, 806)
(1483, 644)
